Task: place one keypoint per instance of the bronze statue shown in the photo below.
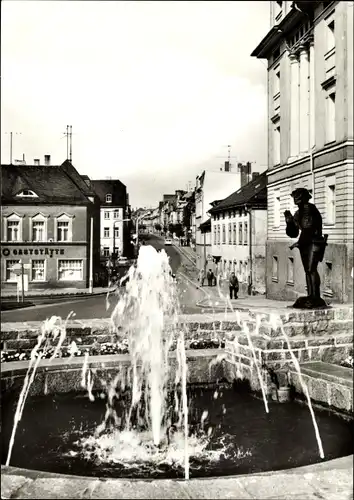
(311, 244)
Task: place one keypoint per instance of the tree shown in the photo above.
(158, 227)
(178, 229)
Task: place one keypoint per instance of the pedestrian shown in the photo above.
(201, 277)
(233, 285)
(210, 277)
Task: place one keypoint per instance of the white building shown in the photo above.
(114, 204)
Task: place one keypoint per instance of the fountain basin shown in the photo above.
(259, 442)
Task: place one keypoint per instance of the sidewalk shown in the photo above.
(55, 291)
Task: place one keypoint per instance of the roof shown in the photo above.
(205, 226)
(253, 194)
(114, 187)
(276, 34)
(51, 183)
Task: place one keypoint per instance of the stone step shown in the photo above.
(328, 371)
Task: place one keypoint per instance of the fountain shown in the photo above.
(145, 416)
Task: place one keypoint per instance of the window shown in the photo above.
(70, 270)
(10, 275)
(230, 234)
(219, 234)
(330, 33)
(106, 215)
(215, 232)
(328, 279)
(276, 81)
(235, 234)
(13, 230)
(27, 193)
(275, 268)
(106, 251)
(223, 234)
(106, 232)
(38, 230)
(63, 231)
(331, 199)
(290, 273)
(276, 209)
(331, 117)
(276, 144)
(245, 233)
(116, 214)
(108, 198)
(116, 232)
(38, 273)
(240, 239)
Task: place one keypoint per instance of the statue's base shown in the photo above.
(310, 303)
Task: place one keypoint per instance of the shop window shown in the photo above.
(106, 232)
(106, 214)
(290, 273)
(10, 275)
(108, 198)
(38, 270)
(275, 268)
(70, 270)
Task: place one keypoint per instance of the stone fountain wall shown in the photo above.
(322, 335)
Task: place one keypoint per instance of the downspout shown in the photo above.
(250, 249)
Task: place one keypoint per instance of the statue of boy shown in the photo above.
(311, 244)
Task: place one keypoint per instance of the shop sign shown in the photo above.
(32, 251)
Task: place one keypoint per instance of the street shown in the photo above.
(95, 307)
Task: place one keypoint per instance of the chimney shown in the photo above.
(46, 159)
(227, 166)
(36, 161)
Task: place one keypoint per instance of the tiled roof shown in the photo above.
(52, 184)
(253, 194)
(114, 187)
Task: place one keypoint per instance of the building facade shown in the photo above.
(114, 208)
(212, 186)
(309, 50)
(46, 225)
(239, 234)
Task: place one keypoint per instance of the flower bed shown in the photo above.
(100, 349)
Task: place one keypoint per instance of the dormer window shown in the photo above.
(108, 198)
(27, 193)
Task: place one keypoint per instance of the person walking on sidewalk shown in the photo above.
(233, 285)
(210, 277)
(201, 277)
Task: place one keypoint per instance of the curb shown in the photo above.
(55, 296)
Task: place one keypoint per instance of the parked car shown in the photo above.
(168, 241)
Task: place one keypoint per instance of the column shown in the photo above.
(304, 99)
(294, 105)
(312, 94)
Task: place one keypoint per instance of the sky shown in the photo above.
(155, 91)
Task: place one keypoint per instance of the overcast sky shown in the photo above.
(155, 91)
